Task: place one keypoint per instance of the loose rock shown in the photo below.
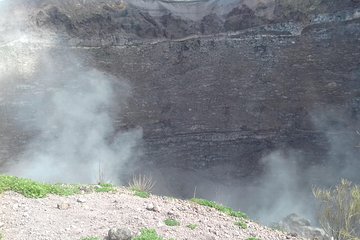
(81, 200)
(119, 234)
(63, 206)
(152, 207)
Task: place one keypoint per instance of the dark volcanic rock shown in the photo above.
(301, 226)
(242, 18)
(226, 88)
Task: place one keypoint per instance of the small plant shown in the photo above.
(241, 224)
(219, 207)
(339, 212)
(32, 189)
(142, 183)
(90, 238)
(253, 238)
(105, 187)
(171, 222)
(192, 226)
(101, 178)
(142, 194)
(148, 234)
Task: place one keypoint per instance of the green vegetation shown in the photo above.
(32, 189)
(105, 187)
(339, 212)
(142, 183)
(142, 194)
(192, 226)
(241, 224)
(171, 222)
(148, 234)
(90, 238)
(253, 238)
(219, 207)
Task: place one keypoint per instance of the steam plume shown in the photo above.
(64, 109)
(75, 139)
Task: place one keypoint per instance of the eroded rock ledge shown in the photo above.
(225, 88)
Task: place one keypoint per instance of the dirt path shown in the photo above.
(93, 214)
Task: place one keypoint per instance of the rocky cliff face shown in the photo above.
(113, 22)
(216, 85)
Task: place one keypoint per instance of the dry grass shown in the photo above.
(339, 213)
(142, 183)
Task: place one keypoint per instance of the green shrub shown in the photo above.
(339, 212)
(253, 238)
(148, 234)
(171, 222)
(219, 207)
(32, 189)
(192, 226)
(241, 224)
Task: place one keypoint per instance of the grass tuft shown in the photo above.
(192, 226)
(90, 238)
(241, 224)
(148, 234)
(219, 207)
(142, 194)
(32, 189)
(105, 187)
(171, 222)
(142, 183)
(253, 238)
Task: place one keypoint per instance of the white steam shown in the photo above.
(281, 191)
(76, 140)
(286, 186)
(65, 110)
(342, 159)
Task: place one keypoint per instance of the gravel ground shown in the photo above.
(93, 214)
